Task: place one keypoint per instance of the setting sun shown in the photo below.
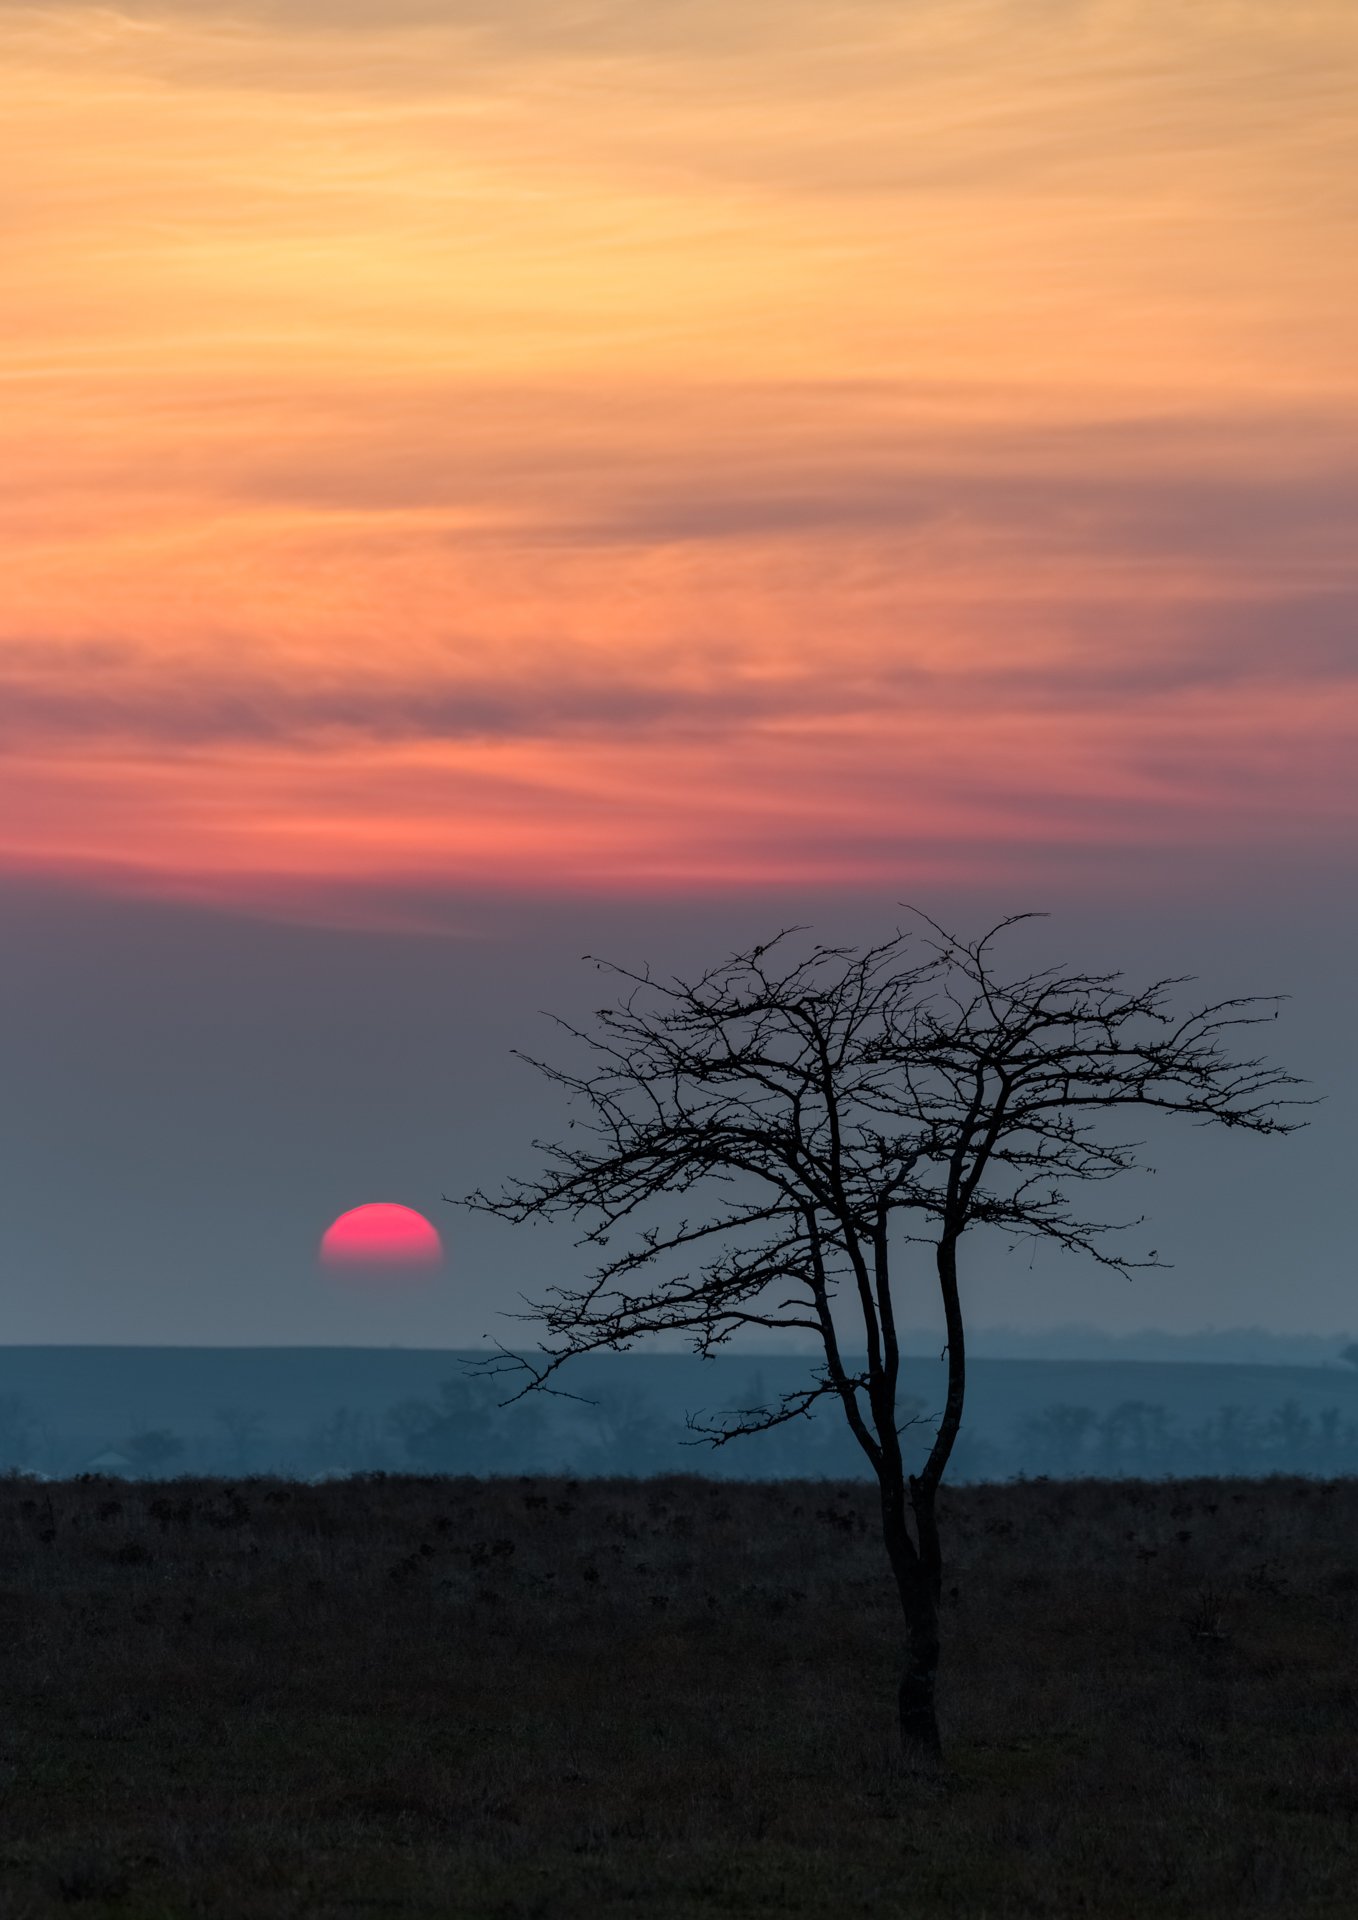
(381, 1234)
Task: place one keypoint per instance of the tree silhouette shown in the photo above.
(18, 1429)
(778, 1135)
(244, 1428)
(458, 1434)
(467, 1431)
(1057, 1436)
(1134, 1438)
(151, 1449)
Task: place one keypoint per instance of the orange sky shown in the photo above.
(535, 445)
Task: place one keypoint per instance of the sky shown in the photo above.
(495, 482)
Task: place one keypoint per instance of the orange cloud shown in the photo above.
(525, 447)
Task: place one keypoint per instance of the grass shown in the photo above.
(672, 1697)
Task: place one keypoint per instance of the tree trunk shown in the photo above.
(921, 1747)
(915, 1568)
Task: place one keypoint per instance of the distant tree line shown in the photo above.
(464, 1430)
(1137, 1438)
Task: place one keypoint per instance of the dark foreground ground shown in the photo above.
(670, 1698)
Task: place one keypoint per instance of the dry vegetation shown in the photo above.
(671, 1697)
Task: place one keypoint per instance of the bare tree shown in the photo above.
(778, 1135)
(244, 1429)
(151, 1449)
(18, 1431)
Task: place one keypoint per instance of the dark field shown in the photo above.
(671, 1697)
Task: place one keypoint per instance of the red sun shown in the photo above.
(381, 1234)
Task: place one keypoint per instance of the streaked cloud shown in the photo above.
(629, 446)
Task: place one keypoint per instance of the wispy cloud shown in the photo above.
(689, 441)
